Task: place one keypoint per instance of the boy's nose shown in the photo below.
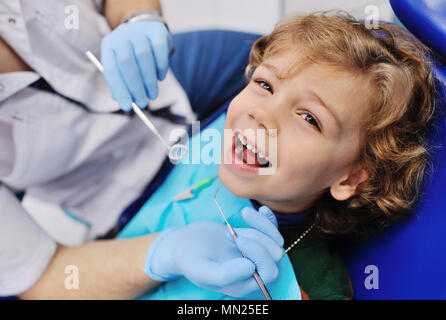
(265, 120)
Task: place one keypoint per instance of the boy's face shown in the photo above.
(316, 115)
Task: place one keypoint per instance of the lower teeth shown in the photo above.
(239, 148)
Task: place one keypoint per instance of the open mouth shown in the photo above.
(248, 154)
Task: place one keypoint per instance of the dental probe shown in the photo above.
(177, 151)
(234, 236)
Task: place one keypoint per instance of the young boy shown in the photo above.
(347, 110)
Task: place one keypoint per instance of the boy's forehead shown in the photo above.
(288, 64)
(285, 64)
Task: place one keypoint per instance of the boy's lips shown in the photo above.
(238, 163)
(244, 154)
(243, 161)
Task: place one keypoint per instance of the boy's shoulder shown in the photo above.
(320, 271)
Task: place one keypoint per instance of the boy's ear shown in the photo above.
(346, 187)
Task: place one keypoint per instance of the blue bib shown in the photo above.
(161, 212)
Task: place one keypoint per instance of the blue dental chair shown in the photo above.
(411, 256)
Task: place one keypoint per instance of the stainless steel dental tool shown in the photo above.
(234, 236)
(175, 152)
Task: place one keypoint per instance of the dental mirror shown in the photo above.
(175, 152)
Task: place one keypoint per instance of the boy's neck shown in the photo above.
(301, 219)
(286, 207)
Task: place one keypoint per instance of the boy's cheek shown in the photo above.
(238, 104)
(230, 116)
(304, 163)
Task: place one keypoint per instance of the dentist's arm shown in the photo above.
(203, 252)
(115, 11)
(136, 54)
(108, 269)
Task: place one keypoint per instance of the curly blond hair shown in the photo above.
(395, 151)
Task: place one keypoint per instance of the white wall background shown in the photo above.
(257, 16)
(244, 15)
(354, 7)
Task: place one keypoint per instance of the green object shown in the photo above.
(203, 183)
(320, 269)
(189, 194)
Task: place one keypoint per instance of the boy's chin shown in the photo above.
(236, 187)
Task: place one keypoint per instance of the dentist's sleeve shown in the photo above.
(25, 249)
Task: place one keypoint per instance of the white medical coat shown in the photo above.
(88, 161)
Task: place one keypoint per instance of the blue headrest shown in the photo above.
(410, 257)
(425, 19)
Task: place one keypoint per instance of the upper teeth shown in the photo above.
(249, 146)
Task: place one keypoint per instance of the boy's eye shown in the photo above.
(265, 85)
(310, 119)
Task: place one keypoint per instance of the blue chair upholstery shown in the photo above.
(411, 256)
(425, 19)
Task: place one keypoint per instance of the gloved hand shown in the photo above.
(206, 254)
(134, 56)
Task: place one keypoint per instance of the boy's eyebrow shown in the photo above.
(328, 107)
(273, 69)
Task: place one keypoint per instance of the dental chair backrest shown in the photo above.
(408, 261)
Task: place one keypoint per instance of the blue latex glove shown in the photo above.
(135, 56)
(206, 254)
